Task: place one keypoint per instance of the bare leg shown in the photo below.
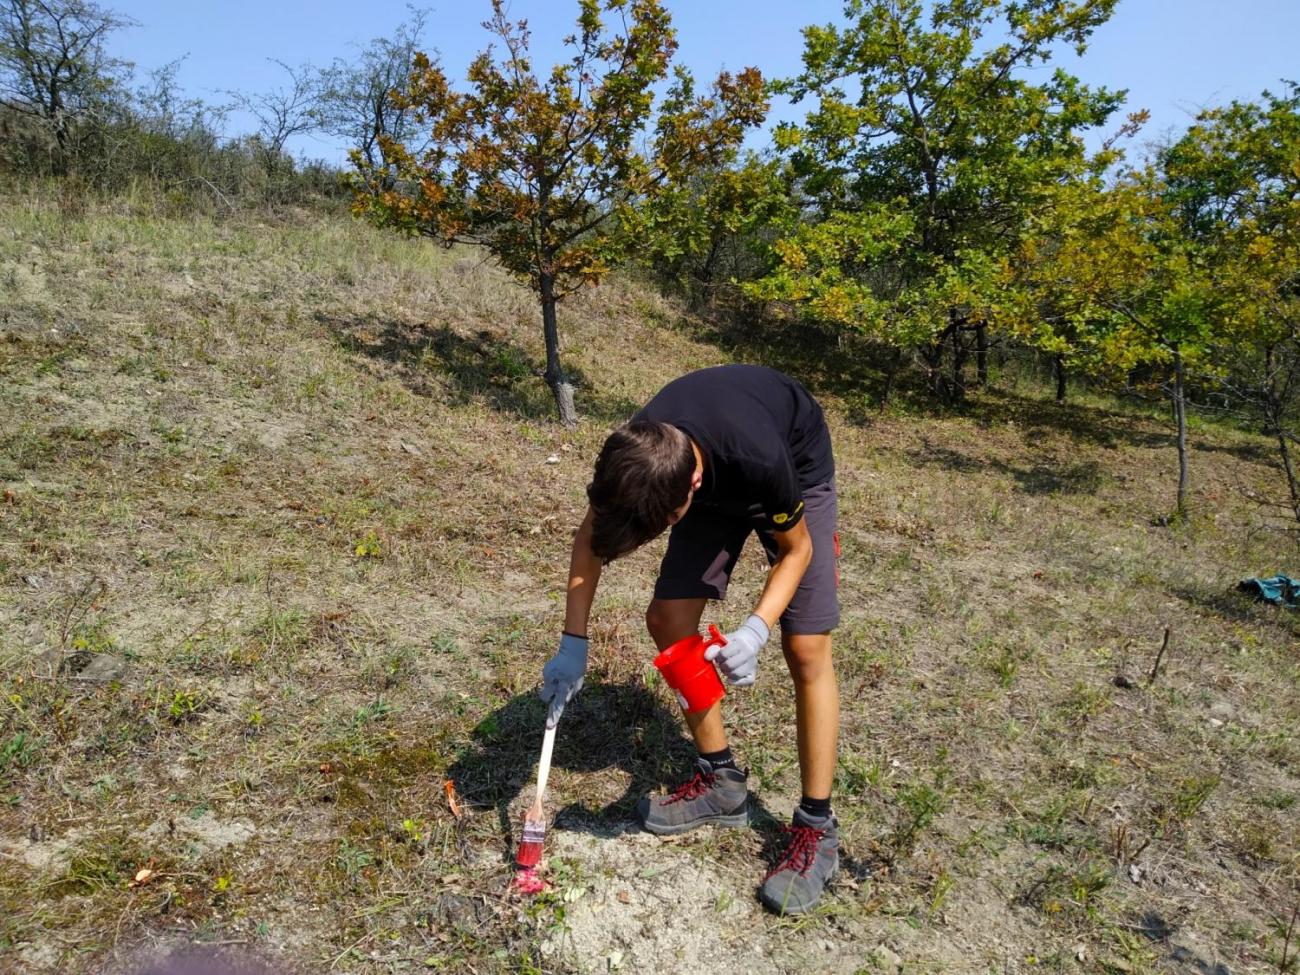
(817, 709)
(670, 620)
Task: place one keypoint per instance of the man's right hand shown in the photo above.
(562, 676)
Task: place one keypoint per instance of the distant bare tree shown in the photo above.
(53, 62)
(357, 103)
(161, 106)
(284, 111)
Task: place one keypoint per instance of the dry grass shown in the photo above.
(292, 478)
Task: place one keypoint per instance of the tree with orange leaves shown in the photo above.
(534, 168)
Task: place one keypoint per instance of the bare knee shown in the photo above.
(808, 655)
(670, 620)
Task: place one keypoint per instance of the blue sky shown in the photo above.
(1174, 56)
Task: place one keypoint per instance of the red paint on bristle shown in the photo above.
(529, 853)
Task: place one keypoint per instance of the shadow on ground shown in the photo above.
(608, 726)
(1084, 477)
(436, 360)
(1232, 604)
(1155, 928)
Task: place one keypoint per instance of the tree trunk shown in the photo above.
(1293, 485)
(1274, 408)
(981, 355)
(935, 379)
(1180, 418)
(705, 273)
(555, 377)
(1058, 363)
(891, 373)
(959, 356)
(60, 163)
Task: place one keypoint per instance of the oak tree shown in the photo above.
(715, 226)
(534, 166)
(1234, 182)
(929, 143)
(1130, 289)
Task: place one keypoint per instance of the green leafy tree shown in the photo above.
(1234, 182)
(927, 150)
(714, 225)
(534, 168)
(1129, 287)
(1189, 266)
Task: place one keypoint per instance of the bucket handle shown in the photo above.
(716, 639)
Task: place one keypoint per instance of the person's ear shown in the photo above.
(696, 480)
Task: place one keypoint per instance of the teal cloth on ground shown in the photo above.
(1279, 590)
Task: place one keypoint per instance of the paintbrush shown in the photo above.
(530, 845)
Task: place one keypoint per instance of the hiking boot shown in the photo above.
(719, 797)
(796, 883)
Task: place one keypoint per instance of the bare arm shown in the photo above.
(584, 573)
(794, 550)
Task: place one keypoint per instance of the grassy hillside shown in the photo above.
(283, 533)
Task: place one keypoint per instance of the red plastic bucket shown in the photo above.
(694, 679)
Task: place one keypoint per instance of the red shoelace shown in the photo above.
(697, 786)
(801, 852)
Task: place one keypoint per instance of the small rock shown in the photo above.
(456, 911)
(1222, 710)
(1080, 953)
(1135, 873)
(86, 666)
(1215, 723)
(887, 958)
(103, 668)
(553, 459)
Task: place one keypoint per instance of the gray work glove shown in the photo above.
(738, 657)
(562, 676)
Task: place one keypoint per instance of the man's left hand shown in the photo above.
(738, 657)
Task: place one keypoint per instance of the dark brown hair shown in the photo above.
(642, 476)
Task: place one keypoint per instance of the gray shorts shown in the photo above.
(704, 546)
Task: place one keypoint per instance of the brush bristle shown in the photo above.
(530, 846)
(529, 853)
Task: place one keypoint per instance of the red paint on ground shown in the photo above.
(527, 882)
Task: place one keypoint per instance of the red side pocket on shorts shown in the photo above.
(836, 537)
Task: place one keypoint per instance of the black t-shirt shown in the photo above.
(763, 437)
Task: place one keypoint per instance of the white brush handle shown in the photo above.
(544, 766)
